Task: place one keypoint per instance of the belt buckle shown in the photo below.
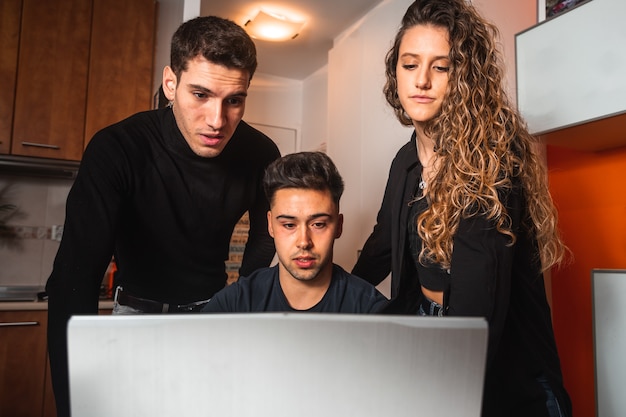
(140, 304)
(191, 307)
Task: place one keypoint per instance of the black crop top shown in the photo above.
(431, 276)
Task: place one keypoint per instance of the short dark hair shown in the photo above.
(220, 41)
(306, 170)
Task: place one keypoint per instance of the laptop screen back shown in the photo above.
(276, 364)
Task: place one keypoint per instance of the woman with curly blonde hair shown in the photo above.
(467, 225)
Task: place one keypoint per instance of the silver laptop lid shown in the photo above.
(276, 364)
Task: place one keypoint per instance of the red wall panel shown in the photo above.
(589, 189)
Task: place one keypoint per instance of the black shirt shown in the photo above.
(166, 214)
(261, 291)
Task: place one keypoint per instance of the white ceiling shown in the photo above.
(300, 57)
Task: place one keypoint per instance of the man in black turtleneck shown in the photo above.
(162, 192)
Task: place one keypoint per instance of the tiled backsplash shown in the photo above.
(34, 228)
(53, 232)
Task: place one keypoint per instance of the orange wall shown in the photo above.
(589, 189)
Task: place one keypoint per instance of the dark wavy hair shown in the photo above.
(219, 40)
(482, 144)
(306, 170)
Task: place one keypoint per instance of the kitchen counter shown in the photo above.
(31, 298)
(42, 305)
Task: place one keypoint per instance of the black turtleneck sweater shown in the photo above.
(166, 214)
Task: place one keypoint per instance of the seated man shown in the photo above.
(303, 190)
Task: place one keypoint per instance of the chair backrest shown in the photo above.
(609, 340)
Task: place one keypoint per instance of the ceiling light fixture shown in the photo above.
(272, 27)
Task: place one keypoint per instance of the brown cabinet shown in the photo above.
(25, 385)
(52, 70)
(23, 362)
(10, 17)
(82, 65)
(121, 61)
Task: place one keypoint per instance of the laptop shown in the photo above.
(276, 364)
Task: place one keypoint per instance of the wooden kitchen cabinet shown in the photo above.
(52, 71)
(23, 361)
(25, 384)
(10, 17)
(121, 62)
(82, 65)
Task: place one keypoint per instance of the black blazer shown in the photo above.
(489, 278)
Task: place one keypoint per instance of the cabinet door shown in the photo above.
(49, 404)
(22, 362)
(121, 61)
(52, 70)
(10, 17)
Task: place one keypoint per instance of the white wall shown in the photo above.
(292, 104)
(363, 134)
(314, 111)
(275, 101)
(274, 106)
(511, 17)
(171, 14)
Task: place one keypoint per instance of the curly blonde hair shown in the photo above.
(481, 141)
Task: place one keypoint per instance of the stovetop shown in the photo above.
(22, 293)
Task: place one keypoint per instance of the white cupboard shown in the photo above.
(571, 84)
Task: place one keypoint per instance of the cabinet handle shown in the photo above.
(19, 323)
(40, 145)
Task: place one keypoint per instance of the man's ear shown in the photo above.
(339, 230)
(169, 83)
(270, 229)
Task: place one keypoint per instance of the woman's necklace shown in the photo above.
(430, 159)
(422, 183)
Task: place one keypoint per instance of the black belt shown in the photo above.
(155, 307)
